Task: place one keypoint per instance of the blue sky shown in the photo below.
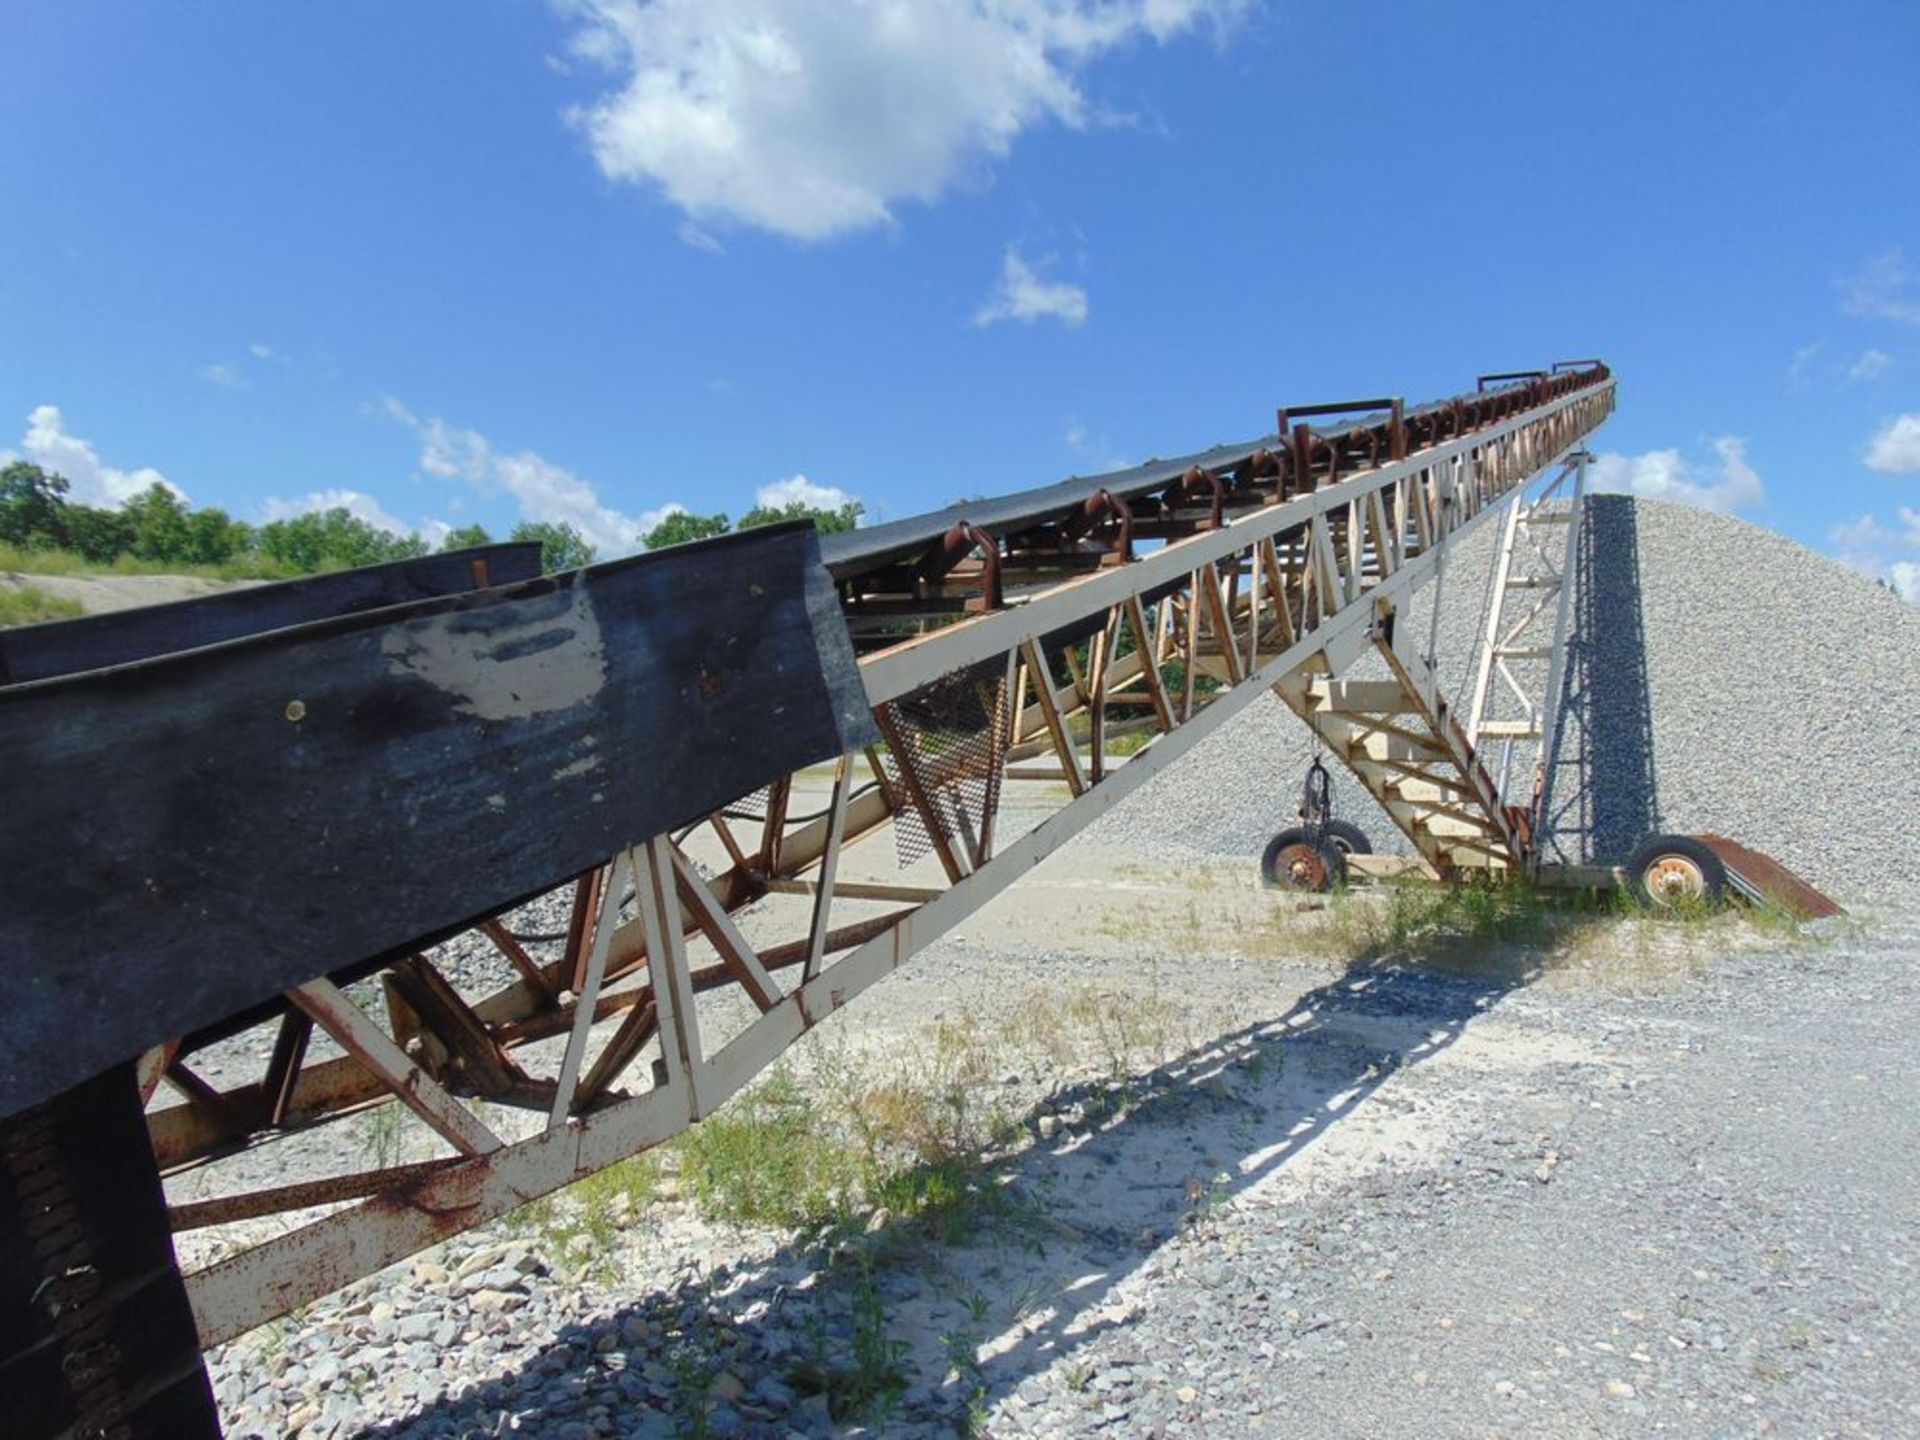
(585, 260)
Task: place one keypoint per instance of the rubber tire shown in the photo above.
(1331, 855)
(1683, 847)
(1347, 837)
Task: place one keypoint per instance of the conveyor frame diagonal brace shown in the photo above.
(1554, 701)
(1289, 595)
(1522, 648)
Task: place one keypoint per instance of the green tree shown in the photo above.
(561, 546)
(335, 539)
(680, 527)
(827, 520)
(215, 537)
(294, 544)
(99, 534)
(465, 537)
(160, 529)
(32, 506)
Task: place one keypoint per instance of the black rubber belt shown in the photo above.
(97, 1340)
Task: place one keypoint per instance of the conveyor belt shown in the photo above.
(858, 552)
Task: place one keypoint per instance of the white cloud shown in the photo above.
(813, 118)
(227, 377)
(1882, 288)
(1668, 475)
(1802, 363)
(798, 488)
(692, 234)
(1870, 364)
(239, 376)
(1865, 533)
(1858, 535)
(355, 502)
(1895, 450)
(1869, 546)
(541, 489)
(1022, 295)
(1095, 450)
(93, 481)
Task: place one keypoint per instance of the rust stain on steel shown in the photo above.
(1771, 878)
(225, 1209)
(366, 1042)
(964, 537)
(1197, 479)
(711, 977)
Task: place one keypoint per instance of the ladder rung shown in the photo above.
(1524, 652)
(1509, 730)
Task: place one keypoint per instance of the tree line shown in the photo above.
(158, 527)
(679, 528)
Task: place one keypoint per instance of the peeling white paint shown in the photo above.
(508, 662)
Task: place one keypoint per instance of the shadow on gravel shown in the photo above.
(1096, 1200)
(1606, 797)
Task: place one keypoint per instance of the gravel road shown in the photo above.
(1696, 1216)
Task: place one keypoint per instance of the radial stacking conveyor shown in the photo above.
(260, 813)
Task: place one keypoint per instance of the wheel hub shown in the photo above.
(1672, 878)
(1303, 868)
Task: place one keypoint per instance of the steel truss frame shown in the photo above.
(1286, 595)
(1518, 678)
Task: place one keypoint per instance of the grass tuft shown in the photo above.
(33, 560)
(867, 1382)
(30, 605)
(771, 1158)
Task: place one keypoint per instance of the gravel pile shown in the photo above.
(1785, 688)
(1722, 678)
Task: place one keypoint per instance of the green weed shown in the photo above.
(384, 1140)
(585, 1220)
(30, 605)
(771, 1158)
(867, 1384)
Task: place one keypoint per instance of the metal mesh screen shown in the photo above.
(953, 738)
(753, 805)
